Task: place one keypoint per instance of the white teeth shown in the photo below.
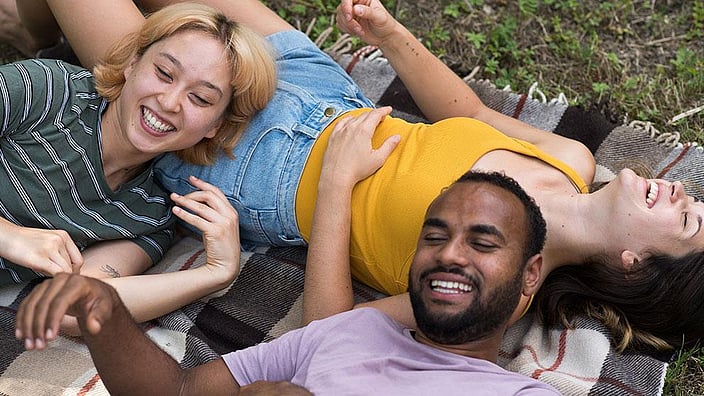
(652, 193)
(446, 287)
(154, 123)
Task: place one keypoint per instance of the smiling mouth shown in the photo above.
(447, 287)
(154, 123)
(652, 194)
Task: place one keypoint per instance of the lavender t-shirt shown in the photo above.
(363, 352)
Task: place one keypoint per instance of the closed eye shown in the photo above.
(199, 100)
(163, 74)
(483, 246)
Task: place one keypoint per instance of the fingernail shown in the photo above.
(18, 334)
(39, 343)
(28, 344)
(49, 334)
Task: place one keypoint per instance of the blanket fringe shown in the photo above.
(666, 139)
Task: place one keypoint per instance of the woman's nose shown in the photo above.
(169, 100)
(677, 192)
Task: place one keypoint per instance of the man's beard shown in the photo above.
(480, 319)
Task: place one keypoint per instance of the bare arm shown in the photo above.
(91, 26)
(128, 362)
(251, 13)
(150, 296)
(348, 159)
(438, 91)
(397, 307)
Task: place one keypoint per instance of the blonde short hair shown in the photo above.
(250, 56)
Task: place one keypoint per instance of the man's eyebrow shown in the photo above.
(487, 229)
(178, 64)
(434, 222)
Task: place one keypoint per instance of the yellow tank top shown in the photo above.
(388, 208)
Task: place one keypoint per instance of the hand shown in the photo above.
(350, 156)
(91, 301)
(266, 388)
(367, 19)
(209, 210)
(46, 251)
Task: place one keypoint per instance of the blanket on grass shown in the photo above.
(265, 300)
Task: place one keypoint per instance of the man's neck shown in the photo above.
(486, 348)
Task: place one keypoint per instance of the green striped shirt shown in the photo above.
(51, 173)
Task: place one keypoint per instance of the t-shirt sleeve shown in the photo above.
(276, 360)
(21, 90)
(157, 243)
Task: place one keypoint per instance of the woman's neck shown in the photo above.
(577, 229)
(121, 161)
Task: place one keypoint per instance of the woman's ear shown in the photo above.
(130, 66)
(628, 259)
(531, 275)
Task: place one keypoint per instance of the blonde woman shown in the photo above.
(78, 190)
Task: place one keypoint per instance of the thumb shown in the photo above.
(99, 312)
(376, 15)
(387, 147)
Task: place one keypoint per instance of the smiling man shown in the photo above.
(477, 252)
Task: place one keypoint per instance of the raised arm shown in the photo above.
(91, 26)
(150, 296)
(128, 362)
(349, 158)
(438, 91)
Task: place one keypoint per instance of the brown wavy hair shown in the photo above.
(656, 306)
(250, 56)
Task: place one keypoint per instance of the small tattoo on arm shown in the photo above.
(110, 271)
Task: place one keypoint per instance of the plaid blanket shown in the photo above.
(265, 301)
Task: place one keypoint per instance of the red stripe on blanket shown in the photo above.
(519, 107)
(674, 162)
(562, 347)
(89, 385)
(192, 260)
(561, 350)
(351, 65)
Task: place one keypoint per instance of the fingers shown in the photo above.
(206, 206)
(364, 123)
(75, 256)
(350, 156)
(387, 148)
(45, 251)
(344, 11)
(68, 258)
(38, 316)
(40, 313)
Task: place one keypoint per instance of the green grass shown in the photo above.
(635, 60)
(685, 374)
